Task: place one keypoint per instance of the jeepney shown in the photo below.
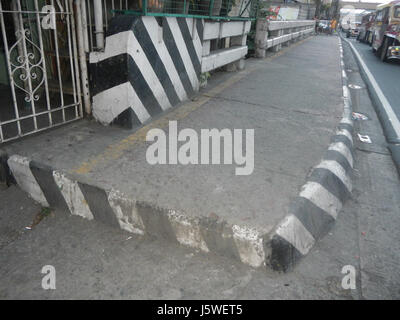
(386, 37)
(366, 28)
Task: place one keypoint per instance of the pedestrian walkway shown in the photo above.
(293, 101)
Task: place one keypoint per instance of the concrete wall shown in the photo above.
(151, 64)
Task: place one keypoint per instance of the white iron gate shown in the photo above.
(39, 73)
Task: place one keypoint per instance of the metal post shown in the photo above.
(98, 21)
(82, 59)
(85, 25)
(355, 91)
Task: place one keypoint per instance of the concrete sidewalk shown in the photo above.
(294, 103)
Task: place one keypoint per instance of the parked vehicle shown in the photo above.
(352, 31)
(365, 30)
(323, 26)
(386, 37)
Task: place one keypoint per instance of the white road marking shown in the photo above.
(385, 103)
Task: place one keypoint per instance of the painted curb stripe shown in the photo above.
(337, 170)
(73, 196)
(22, 173)
(330, 182)
(294, 232)
(313, 218)
(97, 201)
(284, 255)
(44, 177)
(329, 185)
(322, 198)
(338, 156)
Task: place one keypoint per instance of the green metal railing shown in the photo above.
(210, 9)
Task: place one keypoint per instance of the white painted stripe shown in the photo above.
(136, 52)
(181, 45)
(108, 104)
(196, 40)
(73, 196)
(344, 150)
(293, 231)
(126, 212)
(116, 44)
(385, 103)
(22, 173)
(126, 42)
(322, 198)
(250, 245)
(187, 231)
(153, 28)
(345, 92)
(345, 132)
(346, 121)
(337, 170)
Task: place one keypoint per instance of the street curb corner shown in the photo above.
(313, 212)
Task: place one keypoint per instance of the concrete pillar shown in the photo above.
(261, 37)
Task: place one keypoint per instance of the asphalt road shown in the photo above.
(387, 74)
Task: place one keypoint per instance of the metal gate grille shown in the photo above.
(39, 74)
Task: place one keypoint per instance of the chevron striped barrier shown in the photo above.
(151, 64)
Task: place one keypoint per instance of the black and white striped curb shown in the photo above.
(316, 208)
(310, 216)
(56, 189)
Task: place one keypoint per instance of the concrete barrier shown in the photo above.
(271, 35)
(151, 64)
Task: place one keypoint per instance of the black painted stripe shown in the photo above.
(218, 237)
(200, 28)
(120, 23)
(142, 89)
(314, 219)
(176, 57)
(142, 35)
(127, 119)
(330, 182)
(97, 201)
(346, 126)
(340, 158)
(156, 222)
(44, 177)
(109, 73)
(187, 37)
(342, 138)
(284, 255)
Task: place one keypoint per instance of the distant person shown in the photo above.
(333, 25)
(316, 24)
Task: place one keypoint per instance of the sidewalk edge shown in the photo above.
(312, 214)
(77, 195)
